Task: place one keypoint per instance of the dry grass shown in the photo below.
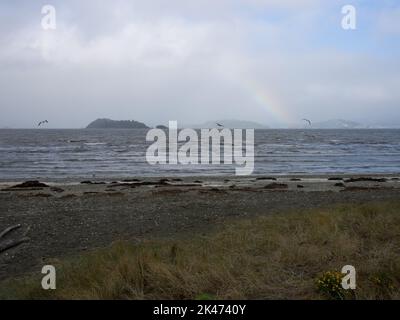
(274, 257)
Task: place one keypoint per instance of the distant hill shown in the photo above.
(338, 124)
(116, 124)
(162, 127)
(231, 124)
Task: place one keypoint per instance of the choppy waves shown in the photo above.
(74, 154)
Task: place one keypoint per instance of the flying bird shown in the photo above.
(309, 121)
(220, 125)
(42, 122)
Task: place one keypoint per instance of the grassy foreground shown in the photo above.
(280, 256)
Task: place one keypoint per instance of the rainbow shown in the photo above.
(270, 102)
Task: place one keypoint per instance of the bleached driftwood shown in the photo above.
(12, 243)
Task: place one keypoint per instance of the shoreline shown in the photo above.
(78, 180)
(69, 219)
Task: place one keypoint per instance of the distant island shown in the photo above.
(230, 124)
(116, 124)
(338, 124)
(162, 127)
(233, 124)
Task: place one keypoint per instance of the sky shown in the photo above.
(270, 61)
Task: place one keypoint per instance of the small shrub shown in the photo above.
(330, 284)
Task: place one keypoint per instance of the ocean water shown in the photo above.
(110, 154)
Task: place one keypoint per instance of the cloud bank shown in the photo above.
(270, 61)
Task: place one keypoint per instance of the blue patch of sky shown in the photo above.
(321, 28)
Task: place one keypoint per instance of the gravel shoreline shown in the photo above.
(69, 218)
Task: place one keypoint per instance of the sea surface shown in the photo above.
(111, 154)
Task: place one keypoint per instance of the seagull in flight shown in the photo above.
(42, 122)
(309, 121)
(220, 125)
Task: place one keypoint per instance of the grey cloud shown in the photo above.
(189, 61)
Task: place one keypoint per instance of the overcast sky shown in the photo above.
(270, 61)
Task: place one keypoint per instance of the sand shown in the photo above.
(69, 218)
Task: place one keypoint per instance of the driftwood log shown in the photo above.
(6, 244)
